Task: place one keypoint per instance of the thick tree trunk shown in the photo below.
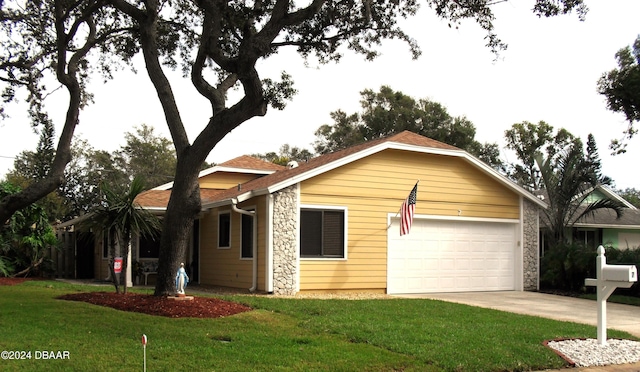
(184, 206)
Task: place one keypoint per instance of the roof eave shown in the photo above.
(215, 169)
(613, 195)
(407, 147)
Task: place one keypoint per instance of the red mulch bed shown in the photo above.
(199, 307)
(12, 281)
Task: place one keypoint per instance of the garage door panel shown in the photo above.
(451, 256)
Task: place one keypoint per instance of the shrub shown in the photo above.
(565, 266)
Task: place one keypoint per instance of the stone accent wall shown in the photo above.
(285, 215)
(530, 251)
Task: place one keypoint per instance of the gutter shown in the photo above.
(235, 208)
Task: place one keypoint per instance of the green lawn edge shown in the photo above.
(281, 334)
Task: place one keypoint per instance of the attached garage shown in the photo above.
(441, 255)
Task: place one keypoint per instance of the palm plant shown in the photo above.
(120, 217)
(568, 178)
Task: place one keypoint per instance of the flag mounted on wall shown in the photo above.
(407, 210)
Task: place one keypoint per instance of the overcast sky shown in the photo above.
(549, 72)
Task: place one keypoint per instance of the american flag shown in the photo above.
(406, 211)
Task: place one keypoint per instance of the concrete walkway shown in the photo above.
(620, 317)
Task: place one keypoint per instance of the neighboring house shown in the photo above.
(332, 223)
(604, 228)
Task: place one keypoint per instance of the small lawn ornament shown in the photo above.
(181, 280)
(608, 278)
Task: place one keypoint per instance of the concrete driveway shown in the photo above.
(621, 317)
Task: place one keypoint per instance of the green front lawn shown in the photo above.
(280, 335)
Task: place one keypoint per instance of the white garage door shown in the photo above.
(451, 256)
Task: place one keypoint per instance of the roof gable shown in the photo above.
(604, 192)
(242, 164)
(402, 141)
(250, 163)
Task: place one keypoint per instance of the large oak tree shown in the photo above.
(621, 88)
(220, 43)
(45, 46)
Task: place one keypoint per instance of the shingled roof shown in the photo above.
(249, 162)
(283, 177)
(159, 199)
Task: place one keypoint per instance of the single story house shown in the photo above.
(332, 223)
(605, 228)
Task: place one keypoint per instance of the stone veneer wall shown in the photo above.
(530, 251)
(285, 205)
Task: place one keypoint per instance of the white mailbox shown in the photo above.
(608, 278)
(620, 273)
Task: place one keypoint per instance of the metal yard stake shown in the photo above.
(144, 352)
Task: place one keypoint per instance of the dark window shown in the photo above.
(247, 236)
(322, 233)
(589, 238)
(149, 247)
(224, 230)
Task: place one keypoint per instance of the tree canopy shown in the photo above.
(567, 179)
(621, 88)
(387, 112)
(46, 45)
(25, 240)
(144, 154)
(529, 141)
(286, 154)
(218, 44)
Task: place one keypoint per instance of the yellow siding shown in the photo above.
(225, 180)
(224, 267)
(100, 265)
(375, 186)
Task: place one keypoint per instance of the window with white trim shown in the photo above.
(322, 233)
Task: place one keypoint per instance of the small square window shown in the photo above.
(322, 233)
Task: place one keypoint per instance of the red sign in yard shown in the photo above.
(117, 265)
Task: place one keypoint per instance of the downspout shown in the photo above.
(254, 282)
(269, 245)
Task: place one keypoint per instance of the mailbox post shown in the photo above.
(608, 278)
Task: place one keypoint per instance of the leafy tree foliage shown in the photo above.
(286, 154)
(144, 154)
(219, 44)
(630, 194)
(388, 112)
(120, 217)
(30, 167)
(25, 239)
(567, 178)
(148, 156)
(45, 44)
(88, 169)
(594, 164)
(529, 141)
(621, 87)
